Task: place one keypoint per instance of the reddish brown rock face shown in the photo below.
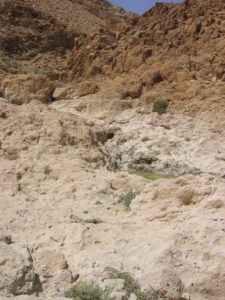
(45, 25)
(47, 28)
(175, 37)
(171, 37)
(24, 28)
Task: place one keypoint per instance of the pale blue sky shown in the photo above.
(139, 6)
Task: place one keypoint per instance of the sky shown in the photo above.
(139, 6)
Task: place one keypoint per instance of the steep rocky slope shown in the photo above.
(35, 36)
(45, 25)
(92, 183)
(24, 28)
(178, 41)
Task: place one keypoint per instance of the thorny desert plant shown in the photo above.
(160, 106)
(131, 286)
(88, 291)
(127, 198)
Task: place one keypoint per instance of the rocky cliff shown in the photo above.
(179, 41)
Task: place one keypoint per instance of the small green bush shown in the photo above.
(88, 291)
(160, 106)
(131, 286)
(127, 198)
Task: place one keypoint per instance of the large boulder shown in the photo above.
(54, 271)
(52, 261)
(17, 275)
(23, 88)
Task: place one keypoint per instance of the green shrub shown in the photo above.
(131, 286)
(88, 291)
(127, 198)
(160, 106)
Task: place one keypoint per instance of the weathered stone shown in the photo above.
(6, 238)
(20, 89)
(133, 297)
(185, 195)
(87, 88)
(64, 276)
(52, 260)
(17, 273)
(60, 93)
(135, 91)
(185, 296)
(152, 77)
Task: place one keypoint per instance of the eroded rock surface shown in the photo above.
(99, 181)
(87, 88)
(56, 173)
(21, 89)
(16, 271)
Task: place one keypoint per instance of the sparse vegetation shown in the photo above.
(36, 70)
(12, 64)
(19, 187)
(88, 291)
(9, 61)
(203, 86)
(152, 176)
(124, 93)
(127, 198)
(47, 170)
(58, 84)
(21, 68)
(131, 286)
(160, 106)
